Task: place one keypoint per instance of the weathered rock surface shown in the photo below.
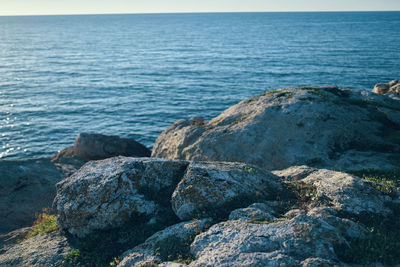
(41, 250)
(340, 190)
(168, 244)
(392, 87)
(210, 187)
(325, 127)
(12, 238)
(296, 242)
(26, 187)
(107, 193)
(254, 212)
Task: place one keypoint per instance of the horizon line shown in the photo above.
(197, 12)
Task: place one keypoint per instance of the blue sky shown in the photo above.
(37, 7)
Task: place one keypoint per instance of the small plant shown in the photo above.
(313, 90)
(304, 193)
(250, 169)
(44, 223)
(270, 92)
(72, 258)
(115, 262)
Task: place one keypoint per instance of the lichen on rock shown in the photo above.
(216, 188)
(107, 193)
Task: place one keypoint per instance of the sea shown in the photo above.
(134, 75)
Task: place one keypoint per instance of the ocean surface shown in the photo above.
(134, 75)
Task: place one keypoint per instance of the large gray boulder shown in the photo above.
(41, 250)
(327, 127)
(107, 193)
(215, 188)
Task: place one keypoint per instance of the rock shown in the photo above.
(168, 244)
(41, 250)
(91, 146)
(254, 212)
(298, 241)
(27, 186)
(392, 87)
(104, 194)
(12, 238)
(295, 172)
(340, 190)
(216, 188)
(319, 126)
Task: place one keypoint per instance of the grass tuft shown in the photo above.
(304, 193)
(45, 223)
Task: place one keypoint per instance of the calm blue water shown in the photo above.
(134, 75)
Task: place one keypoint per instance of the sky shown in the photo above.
(52, 7)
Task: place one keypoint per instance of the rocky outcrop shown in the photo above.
(243, 215)
(326, 127)
(34, 179)
(212, 188)
(390, 88)
(340, 190)
(41, 250)
(172, 243)
(301, 216)
(294, 242)
(107, 193)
